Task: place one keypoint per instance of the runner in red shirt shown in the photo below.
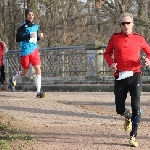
(122, 55)
(3, 51)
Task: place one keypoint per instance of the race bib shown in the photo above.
(33, 37)
(125, 74)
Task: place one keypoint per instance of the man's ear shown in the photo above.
(133, 23)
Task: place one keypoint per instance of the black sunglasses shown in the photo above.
(123, 23)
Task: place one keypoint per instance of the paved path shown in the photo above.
(61, 108)
(88, 120)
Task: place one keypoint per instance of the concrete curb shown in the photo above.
(76, 88)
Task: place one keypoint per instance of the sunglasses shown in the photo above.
(123, 23)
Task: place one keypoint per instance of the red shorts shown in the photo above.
(33, 58)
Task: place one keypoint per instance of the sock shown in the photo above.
(16, 76)
(38, 83)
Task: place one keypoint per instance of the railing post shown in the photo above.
(95, 63)
(100, 66)
(91, 65)
(91, 59)
(63, 64)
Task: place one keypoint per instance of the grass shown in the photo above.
(12, 138)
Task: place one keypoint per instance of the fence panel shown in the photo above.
(65, 61)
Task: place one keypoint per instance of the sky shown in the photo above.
(83, 0)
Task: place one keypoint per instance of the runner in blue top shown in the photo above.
(27, 36)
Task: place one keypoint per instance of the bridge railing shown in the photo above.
(70, 62)
(59, 61)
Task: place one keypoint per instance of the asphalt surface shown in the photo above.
(57, 108)
(88, 119)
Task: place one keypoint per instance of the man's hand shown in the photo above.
(113, 67)
(146, 61)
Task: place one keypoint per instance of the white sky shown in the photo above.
(83, 1)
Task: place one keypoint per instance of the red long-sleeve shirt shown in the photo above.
(2, 47)
(125, 50)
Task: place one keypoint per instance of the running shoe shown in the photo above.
(40, 95)
(133, 142)
(127, 124)
(12, 85)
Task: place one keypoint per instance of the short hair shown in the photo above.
(126, 14)
(27, 11)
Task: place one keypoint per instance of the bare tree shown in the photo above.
(72, 22)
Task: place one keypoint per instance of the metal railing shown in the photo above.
(58, 61)
(65, 61)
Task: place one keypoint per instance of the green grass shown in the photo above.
(12, 138)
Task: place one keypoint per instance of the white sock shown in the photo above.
(16, 76)
(38, 83)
